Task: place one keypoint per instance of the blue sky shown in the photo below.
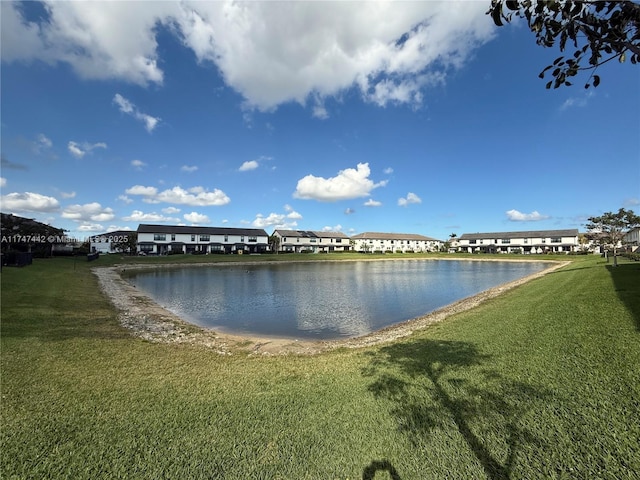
(416, 117)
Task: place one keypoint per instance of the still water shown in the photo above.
(320, 300)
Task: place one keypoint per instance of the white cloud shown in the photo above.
(372, 203)
(188, 168)
(285, 220)
(388, 170)
(579, 101)
(28, 202)
(68, 194)
(389, 51)
(411, 198)
(349, 183)
(93, 212)
(138, 164)
(194, 196)
(129, 108)
(516, 216)
(3, 182)
(42, 143)
(195, 217)
(140, 216)
(124, 199)
(349, 211)
(91, 227)
(249, 165)
(99, 41)
(79, 150)
(337, 228)
(171, 210)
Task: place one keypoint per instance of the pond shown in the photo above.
(320, 300)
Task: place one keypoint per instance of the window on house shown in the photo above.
(526, 240)
(193, 238)
(173, 237)
(556, 240)
(506, 240)
(253, 239)
(313, 240)
(242, 238)
(226, 238)
(338, 240)
(204, 238)
(159, 237)
(472, 242)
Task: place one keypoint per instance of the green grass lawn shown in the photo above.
(542, 382)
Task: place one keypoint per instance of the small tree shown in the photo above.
(127, 245)
(600, 31)
(611, 228)
(274, 242)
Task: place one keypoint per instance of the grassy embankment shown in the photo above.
(541, 382)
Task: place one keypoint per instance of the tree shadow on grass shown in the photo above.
(433, 384)
(626, 279)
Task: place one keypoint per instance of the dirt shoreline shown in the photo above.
(152, 322)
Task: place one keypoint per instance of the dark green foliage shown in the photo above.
(599, 31)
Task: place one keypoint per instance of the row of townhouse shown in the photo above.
(297, 241)
(171, 239)
(379, 242)
(528, 242)
(167, 239)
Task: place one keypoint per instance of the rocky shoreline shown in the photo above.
(152, 322)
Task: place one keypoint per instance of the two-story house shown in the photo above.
(297, 241)
(165, 239)
(377, 242)
(527, 242)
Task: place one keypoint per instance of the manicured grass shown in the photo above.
(541, 382)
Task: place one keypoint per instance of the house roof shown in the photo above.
(573, 232)
(392, 236)
(115, 233)
(309, 234)
(147, 228)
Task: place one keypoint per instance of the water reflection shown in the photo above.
(325, 300)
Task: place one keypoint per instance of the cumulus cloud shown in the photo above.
(516, 216)
(388, 170)
(194, 196)
(67, 194)
(79, 150)
(269, 52)
(89, 212)
(188, 168)
(138, 164)
(41, 144)
(287, 220)
(3, 182)
(349, 183)
(372, 203)
(249, 165)
(171, 210)
(197, 218)
(28, 202)
(129, 108)
(410, 198)
(140, 216)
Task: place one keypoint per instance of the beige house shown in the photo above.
(378, 242)
(528, 242)
(297, 241)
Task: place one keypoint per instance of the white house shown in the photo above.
(631, 239)
(377, 242)
(107, 242)
(529, 242)
(165, 239)
(311, 241)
